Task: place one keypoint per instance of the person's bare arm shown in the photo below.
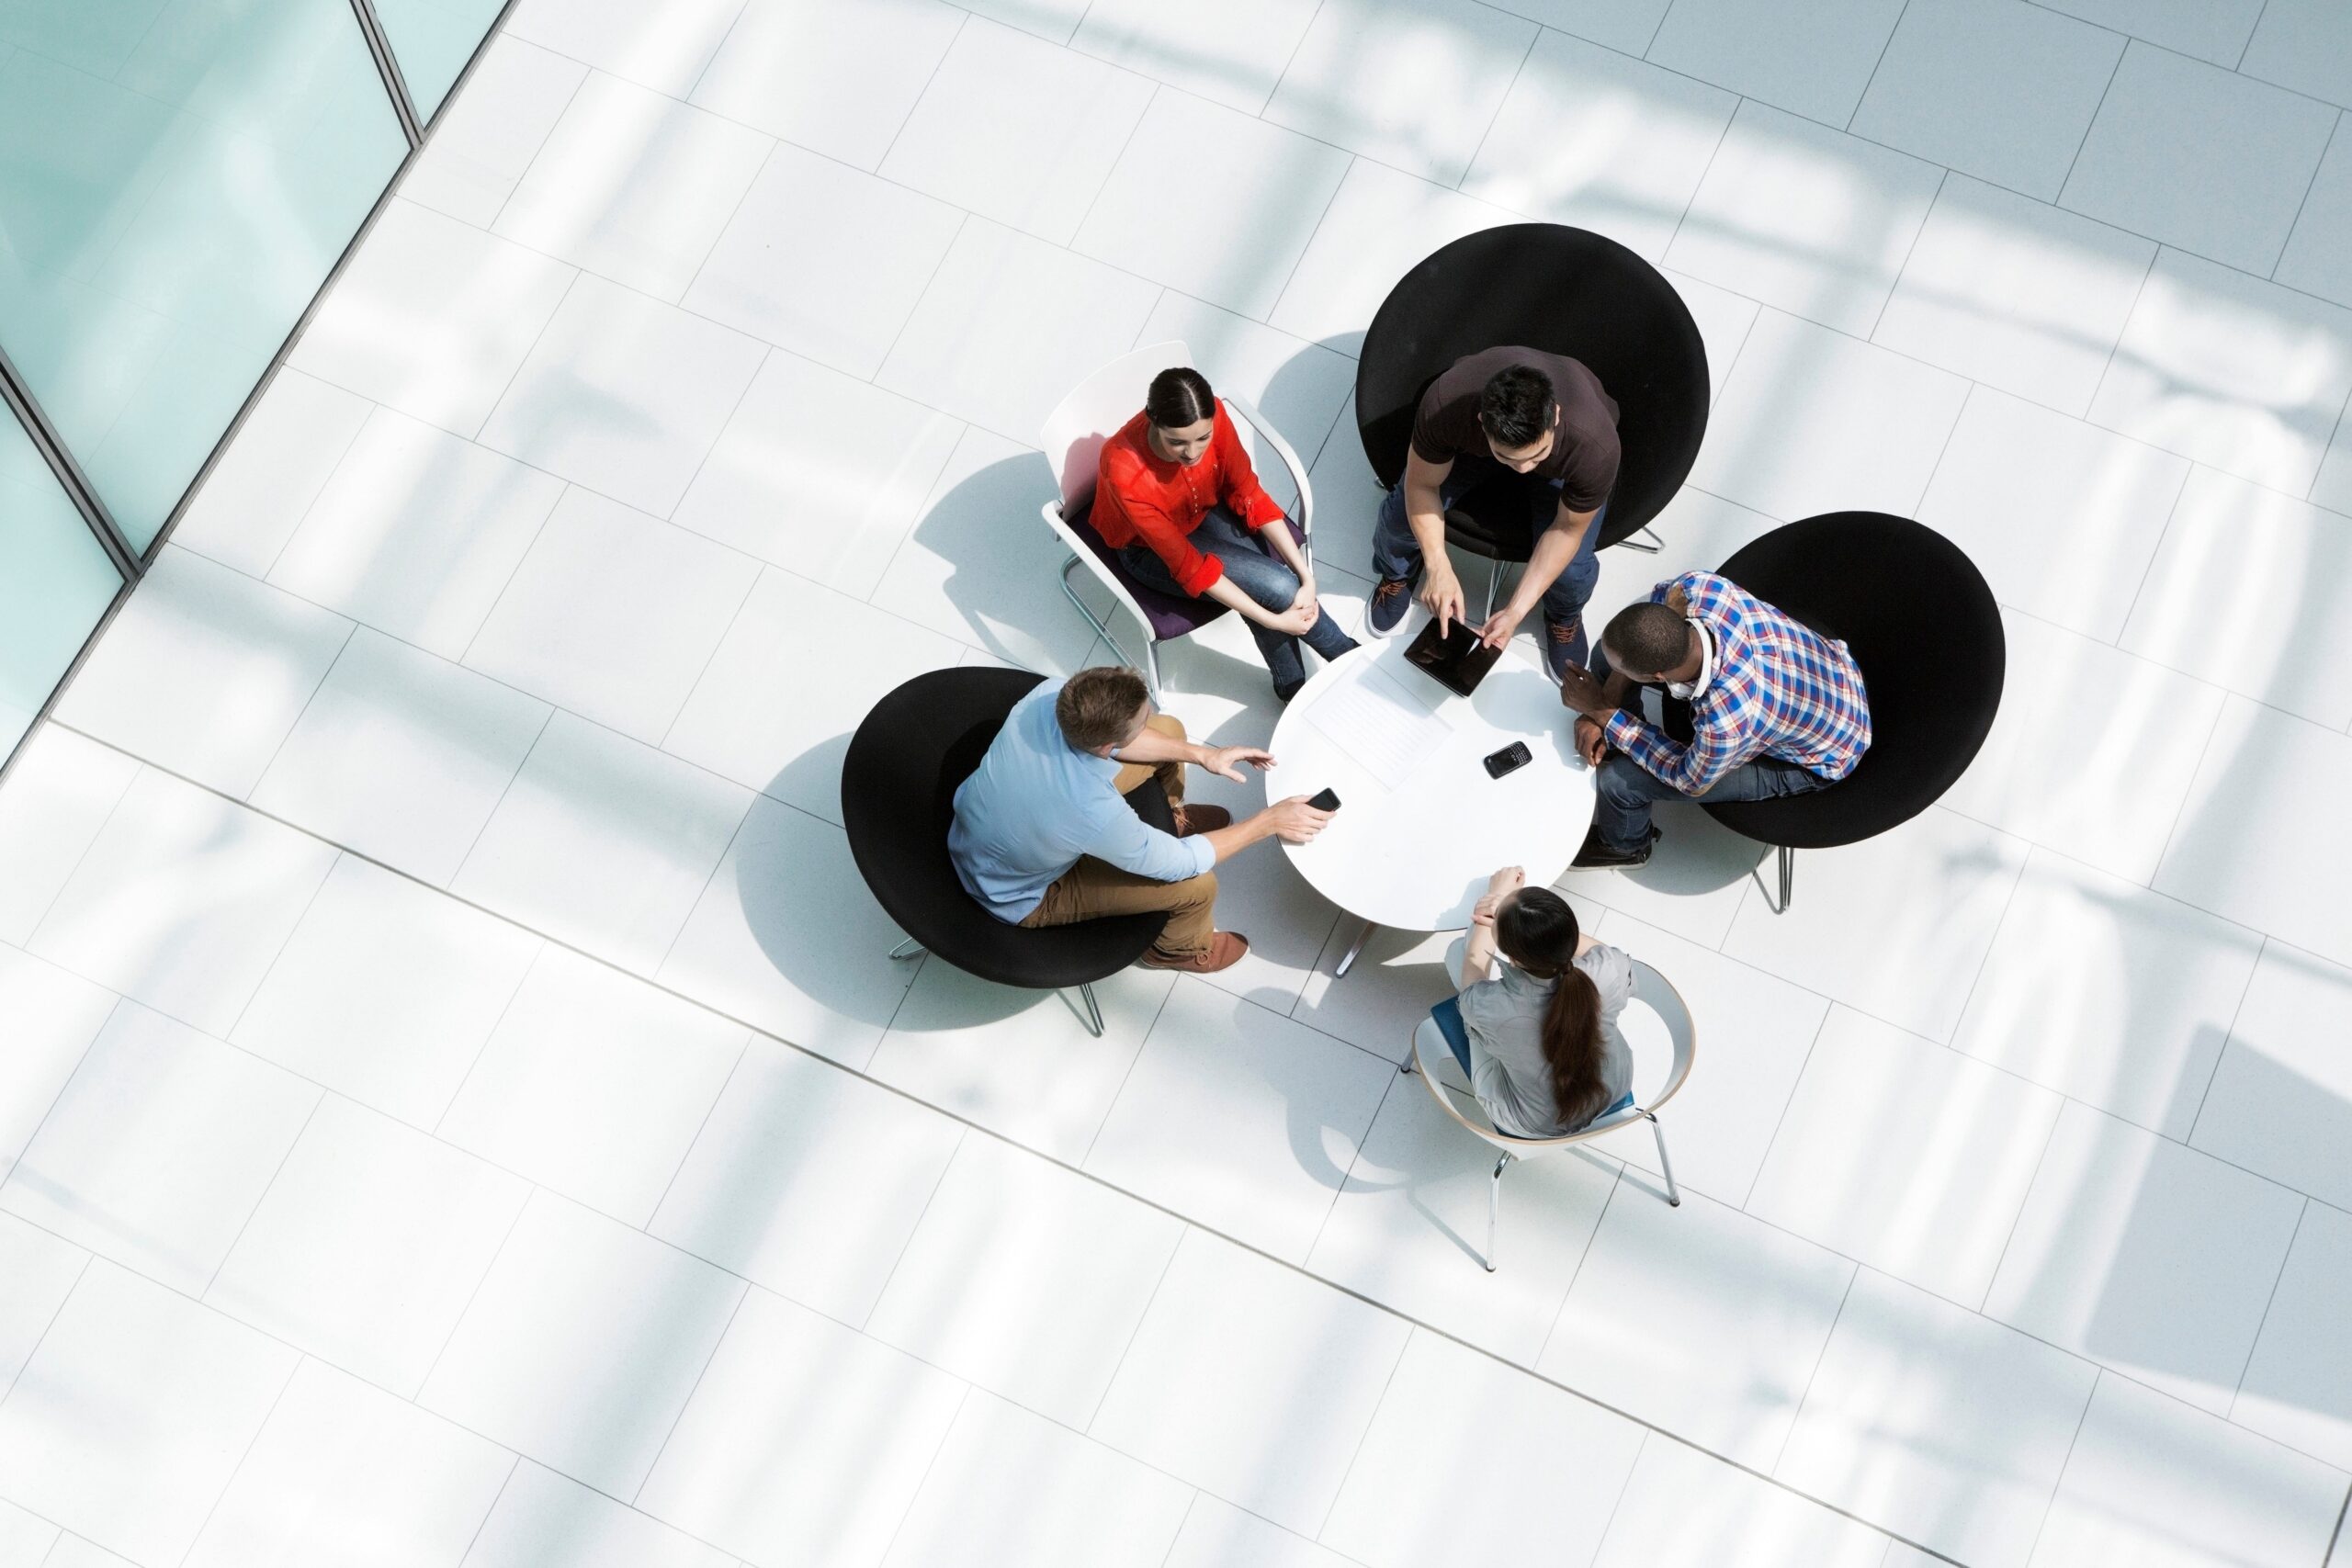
(1287, 550)
(1292, 820)
(1151, 748)
(1478, 948)
(1553, 552)
(1425, 516)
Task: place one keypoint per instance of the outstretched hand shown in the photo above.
(1225, 761)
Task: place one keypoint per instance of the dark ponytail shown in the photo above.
(1537, 930)
(1178, 398)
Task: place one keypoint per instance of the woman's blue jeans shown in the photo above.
(1260, 574)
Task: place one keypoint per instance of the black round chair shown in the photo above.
(1567, 291)
(1921, 623)
(898, 786)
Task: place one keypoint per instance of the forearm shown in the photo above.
(1224, 592)
(1151, 748)
(1277, 537)
(1553, 552)
(1477, 956)
(1231, 841)
(1425, 516)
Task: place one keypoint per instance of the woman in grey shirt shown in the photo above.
(1546, 1056)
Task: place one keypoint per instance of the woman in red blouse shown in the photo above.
(1176, 497)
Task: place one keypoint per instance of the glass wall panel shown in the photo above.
(176, 177)
(56, 582)
(432, 39)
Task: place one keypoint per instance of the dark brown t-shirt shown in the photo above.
(1584, 458)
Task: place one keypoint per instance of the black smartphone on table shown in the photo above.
(1513, 756)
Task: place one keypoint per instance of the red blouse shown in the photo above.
(1140, 495)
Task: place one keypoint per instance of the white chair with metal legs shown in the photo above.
(1073, 438)
(1658, 1027)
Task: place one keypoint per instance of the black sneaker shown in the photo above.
(1597, 855)
(1390, 600)
(1565, 644)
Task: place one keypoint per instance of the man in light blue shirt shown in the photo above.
(1043, 836)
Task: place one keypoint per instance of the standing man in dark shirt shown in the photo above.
(1539, 414)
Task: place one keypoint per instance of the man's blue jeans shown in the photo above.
(1628, 790)
(1260, 574)
(1395, 553)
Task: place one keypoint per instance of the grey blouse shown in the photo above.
(1504, 1018)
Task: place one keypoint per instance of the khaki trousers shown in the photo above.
(1093, 888)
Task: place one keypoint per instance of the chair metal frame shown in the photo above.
(1069, 429)
(1649, 987)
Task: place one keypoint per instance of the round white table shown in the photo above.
(1421, 824)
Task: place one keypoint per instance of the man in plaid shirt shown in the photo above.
(1776, 709)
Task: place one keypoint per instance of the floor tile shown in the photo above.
(48, 1019)
(2100, 782)
(1698, 1320)
(623, 394)
(1810, 59)
(1232, 240)
(1026, 1279)
(1240, 1119)
(2305, 45)
(55, 801)
(401, 756)
(2333, 490)
(433, 317)
(1053, 21)
(2237, 571)
(836, 81)
(204, 672)
(633, 186)
(1996, 88)
(2062, 517)
(417, 533)
(2298, 1384)
(1347, 496)
(2151, 1479)
(1251, 1381)
(1409, 1228)
(1813, 420)
(582, 1344)
(72, 1551)
(2210, 30)
(25, 1538)
(540, 1509)
(613, 614)
(485, 142)
(339, 1463)
(2151, 1258)
(665, 51)
(2318, 258)
(824, 260)
(40, 1270)
(980, 565)
(1396, 977)
(2280, 1102)
(820, 474)
(1413, 86)
(1938, 1424)
(254, 499)
(603, 844)
(386, 991)
(2110, 994)
(2019, 295)
(1010, 1486)
(787, 938)
(1218, 1535)
(1018, 131)
(163, 1395)
(779, 1457)
(2267, 779)
(1725, 320)
(595, 1083)
(2198, 157)
(808, 1180)
(1229, 52)
(1597, 141)
(1379, 226)
(371, 1240)
(1895, 927)
(1409, 1500)
(211, 1124)
(1912, 1158)
(183, 901)
(1009, 325)
(1684, 1509)
(1021, 1064)
(1805, 217)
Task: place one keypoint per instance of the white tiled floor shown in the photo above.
(437, 1127)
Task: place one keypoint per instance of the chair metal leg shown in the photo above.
(1788, 877)
(1093, 1017)
(1635, 540)
(1150, 665)
(1104, 632)
(1407, 1067)
(909, 948)
(1494, 1209)
(1348, 959)
(1494, 581)
(1673, 1194)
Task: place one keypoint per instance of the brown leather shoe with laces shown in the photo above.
(1225, 951)
(1192, 819)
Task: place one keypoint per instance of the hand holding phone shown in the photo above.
(1329, 800)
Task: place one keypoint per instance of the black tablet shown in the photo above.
(1457, 662)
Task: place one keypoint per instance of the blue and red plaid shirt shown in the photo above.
(1778, 690)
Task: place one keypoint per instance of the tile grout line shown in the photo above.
(1551, 1330)
(545, 137)
(686, 1157)
(1110, 174)
(1984, 1298)
(900, 1257)
(1814, 1373)
(1739, 102)
(1291, 277)
(138, 765)
(1895, 287)
(946, 1430)
(1167, 1267)
(2188, 1139)
(499, 1496)
(1142, 1042)
(2245, 47)
(719, 238)
(1876, 65)
(1502, 102)
(2221, 710)
(718, 1342)
(301, 713)
(2050, 1504)
(545, 723)
(1275, 91)
(2309, 186)
(725, 37)
(275, 1171)
(33, 1349)
(459, 1321)
(1795, 1083)
(1617, 1504)
(246, 1454)
(2123, 626)
(342, 455)
(915, 105)
(2090, 125)
(1356, 1454)
(2246, 1367)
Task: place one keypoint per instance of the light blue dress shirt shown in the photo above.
(1036, 804)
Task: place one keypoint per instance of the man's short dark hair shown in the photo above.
(1646, 640)
(1097, 707)
(1516, 408)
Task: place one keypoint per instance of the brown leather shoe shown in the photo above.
(1192, 819)
(1225, 951)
